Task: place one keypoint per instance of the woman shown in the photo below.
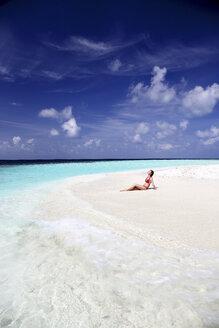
(149, 180)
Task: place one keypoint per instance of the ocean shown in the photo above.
(68, 273)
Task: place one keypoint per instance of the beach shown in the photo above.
(182, 212)
(87, 255)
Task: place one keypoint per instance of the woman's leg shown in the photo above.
(139, 187)
(135, 187)
(129, 189)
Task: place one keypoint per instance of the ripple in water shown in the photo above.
(69, 274)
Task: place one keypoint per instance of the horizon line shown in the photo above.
(3, 161)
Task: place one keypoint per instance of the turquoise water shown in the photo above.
(67, 273)
(19, 176)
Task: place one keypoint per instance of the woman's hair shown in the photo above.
(152, 173)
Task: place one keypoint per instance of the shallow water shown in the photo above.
(20, 176)
(67, 273)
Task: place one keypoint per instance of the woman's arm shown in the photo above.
(152, 182)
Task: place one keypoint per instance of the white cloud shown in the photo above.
(158, 91)
(166, 129)
(85, 45)
(211, 134)
(16, 140)
(183, 124)
(25, 145)
(66, 113)
(28, 145)
(3, 70)
(166, 146)
(137, 138)
(62, 115)
(115, 65)
(54, 132)
(97, 141)
(142, 128)
(52, 75)
(137, 92)
(200, 101)
(210, 141)
(71, 127)
(174, 56)
(87, 48)
(49, 113)
(91, 142)
(88, 143)
(13, 103)
(30, 141)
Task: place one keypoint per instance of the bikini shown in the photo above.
(147, 180)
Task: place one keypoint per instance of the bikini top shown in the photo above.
(147, 180)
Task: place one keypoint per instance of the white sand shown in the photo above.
(182, 212)
(98, 278)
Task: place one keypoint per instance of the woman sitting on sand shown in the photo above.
(149, 180)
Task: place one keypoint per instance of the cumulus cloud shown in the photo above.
(16, 140)
(28, 145)
(54, 132)
(91, 142)
(165, 146)
(62, 115)
(17, 143)
(158, 91)
(212, 132)
(115, 65)
(211, 135)
(200, 101)
(49, 113)
(71, 127)
(165, 128)
(183, 124)
(137, 138)
(142, 128)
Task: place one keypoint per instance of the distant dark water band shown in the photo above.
(56, 161)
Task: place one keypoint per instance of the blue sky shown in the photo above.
(109, 79)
